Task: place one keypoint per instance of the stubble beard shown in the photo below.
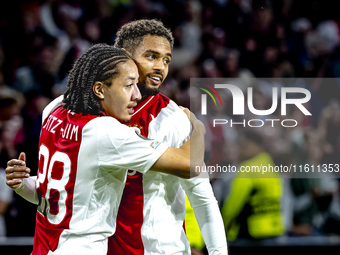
(146, 90)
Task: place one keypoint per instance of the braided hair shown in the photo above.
(98, 63)
(131, 34)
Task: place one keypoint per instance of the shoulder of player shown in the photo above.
(107, 125)
(163, 97)
(52, 106)
(172, 110)
(161, 103)
(154, 104)
(170, 117)
(105, 122)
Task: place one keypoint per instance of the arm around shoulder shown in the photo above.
(186, 161)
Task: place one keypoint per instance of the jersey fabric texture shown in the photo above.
(151, 213)
(83, 163)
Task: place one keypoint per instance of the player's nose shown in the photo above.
(159, 65)
(136, 95)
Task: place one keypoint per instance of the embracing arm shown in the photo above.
(186, 161)
(125, 148)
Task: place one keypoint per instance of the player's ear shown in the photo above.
(98, 89)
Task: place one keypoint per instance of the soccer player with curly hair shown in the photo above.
(151, 214)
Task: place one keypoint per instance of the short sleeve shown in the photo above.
(124, 147)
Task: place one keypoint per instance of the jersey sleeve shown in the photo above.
(199, 191)
(204, 203)
(27, 190)
(124, 148)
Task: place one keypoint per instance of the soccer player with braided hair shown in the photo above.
(85, 153)
(97, 64)
(152, 210)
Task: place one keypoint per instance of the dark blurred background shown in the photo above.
(245, 39)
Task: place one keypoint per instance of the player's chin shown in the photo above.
(150, 89)
(126, 118)
(153, 86)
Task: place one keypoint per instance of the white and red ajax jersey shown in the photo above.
(83, 163)
(152, 210)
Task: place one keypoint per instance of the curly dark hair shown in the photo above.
(98, 63)
(131, 34)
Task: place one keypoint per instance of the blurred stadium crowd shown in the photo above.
(245, 39)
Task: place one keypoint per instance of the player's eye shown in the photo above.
(129, 86)
(151, 56)
(166, 61)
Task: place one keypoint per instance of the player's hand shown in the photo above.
(16, 171)
(189, 114)
(194, 121)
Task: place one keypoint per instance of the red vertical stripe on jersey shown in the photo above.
(127, 239)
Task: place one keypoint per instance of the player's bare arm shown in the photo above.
(182, 162)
